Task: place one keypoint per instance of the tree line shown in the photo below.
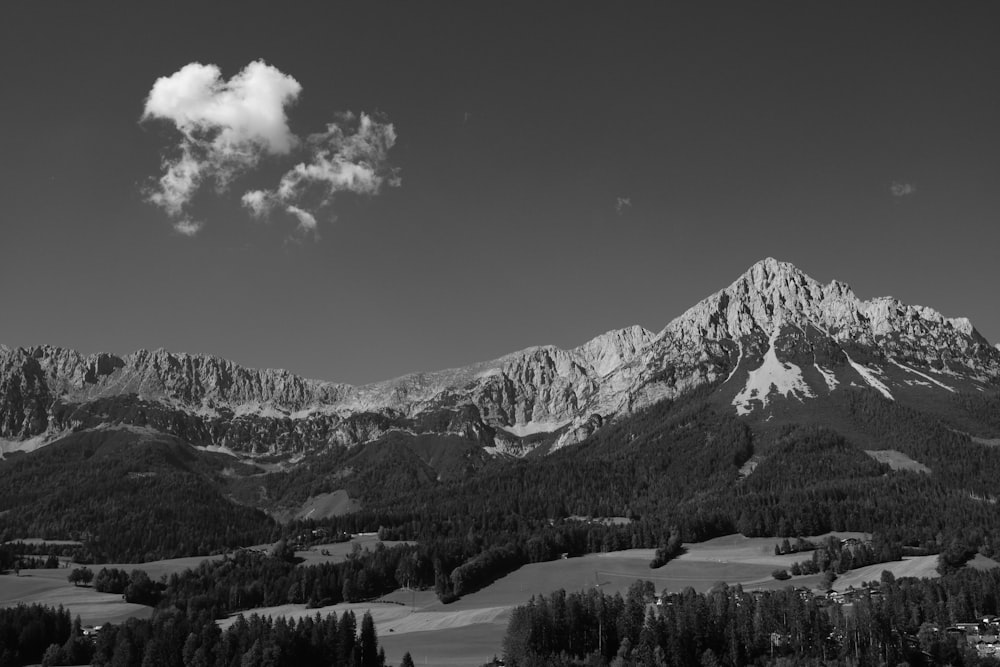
(37, 634)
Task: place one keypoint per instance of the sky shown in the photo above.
(358, 191)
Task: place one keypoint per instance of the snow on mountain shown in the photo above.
(772, 377)
(869, 376)
(774, 298)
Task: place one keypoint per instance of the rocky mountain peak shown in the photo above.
(609, 351)
(769, 295)
(772, 295)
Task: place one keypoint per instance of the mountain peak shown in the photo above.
(772, 266)
(769, 294)
(773, 296)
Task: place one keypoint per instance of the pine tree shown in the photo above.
(368, 642)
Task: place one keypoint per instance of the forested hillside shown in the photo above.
(676, 470)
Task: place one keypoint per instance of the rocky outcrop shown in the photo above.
(773, 295)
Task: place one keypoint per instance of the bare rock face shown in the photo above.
(773, 333)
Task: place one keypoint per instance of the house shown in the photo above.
(968, 628)
(984, 644)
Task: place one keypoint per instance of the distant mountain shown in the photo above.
(773, 340)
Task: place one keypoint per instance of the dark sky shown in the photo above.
(857, 140)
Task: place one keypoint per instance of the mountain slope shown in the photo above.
(130, 494)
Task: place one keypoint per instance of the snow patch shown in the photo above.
(869, 377)
(28, 445)
(926, 377)
(218, 449)
(259, 410)
(532, 427)
(736, 366)
(828, 376)
(508, 449)
(773, 375)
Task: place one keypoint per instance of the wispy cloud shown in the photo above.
(622, 203)
(350, 156)
(902, 189)
(225, 128)
(307, 221)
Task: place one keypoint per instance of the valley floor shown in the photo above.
(470, 631)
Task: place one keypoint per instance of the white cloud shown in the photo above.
(178, 184)
(622, 203)
(350, 156)
(307, 221)
(225, 128)
(902, 189)
(257, 201)
(238, 118)
(187, 227)
(342, 160)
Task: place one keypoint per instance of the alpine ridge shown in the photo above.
(772, 339)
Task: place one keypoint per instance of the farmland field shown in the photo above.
(50, 587)
(470, 630)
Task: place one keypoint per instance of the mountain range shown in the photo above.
(773, 341)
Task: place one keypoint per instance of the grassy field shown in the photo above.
(470, 631)
(49, 587)
(335, 503)
(338, 551)
(896, 460)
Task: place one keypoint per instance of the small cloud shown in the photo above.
(622, 203)
(225, 128)
(307, 221)
(187, 227)
(902, 189)
(354, 161)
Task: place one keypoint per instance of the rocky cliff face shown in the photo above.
(774, 294)
(772, 334)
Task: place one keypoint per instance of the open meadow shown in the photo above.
(470, 630)
(50, 587)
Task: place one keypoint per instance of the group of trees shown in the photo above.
(39, 634)
(895, 622)
(136, 587)
(174, 639)
(839, 556)
(248, 579)
(36, 634)
(20, 555)
(80, 575)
